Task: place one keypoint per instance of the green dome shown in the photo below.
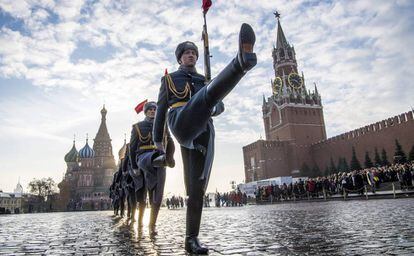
(72, 155)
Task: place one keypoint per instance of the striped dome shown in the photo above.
(72, 155)
(86, 151)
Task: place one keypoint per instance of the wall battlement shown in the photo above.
(267, 144)
(398, 120)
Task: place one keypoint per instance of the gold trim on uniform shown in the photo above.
(148, 147)
(178, 104)
(171, 86)
(142, 138)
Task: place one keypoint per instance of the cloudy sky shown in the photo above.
(60, 61)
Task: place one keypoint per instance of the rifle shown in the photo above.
(207, 56)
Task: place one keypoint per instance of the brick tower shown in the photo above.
(292, 116)
(292, 112)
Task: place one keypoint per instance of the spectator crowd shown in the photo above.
(340, 183)
(231, 199)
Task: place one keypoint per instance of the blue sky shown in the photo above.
(61, 60)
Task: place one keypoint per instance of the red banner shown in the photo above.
(206, 5)
(140, 106)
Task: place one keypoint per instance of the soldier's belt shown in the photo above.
(178, 104)
(148, 147)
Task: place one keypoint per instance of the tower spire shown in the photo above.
(280, 38)
(316, 89)
(102, 144)
(103, 134)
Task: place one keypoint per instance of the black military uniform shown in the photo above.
(191, 104)
(143, 150)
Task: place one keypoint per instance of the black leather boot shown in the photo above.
(194, 210)
(133, 211)
(160, 161)
(169, 154)
(153, 220)
(245, 60)
(193, 245)
(163, 161)
(141, 212)
(128, 209)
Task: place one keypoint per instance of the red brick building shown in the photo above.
(295, 127)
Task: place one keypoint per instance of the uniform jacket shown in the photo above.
(142, 135)
(186, 86)
(166, 98)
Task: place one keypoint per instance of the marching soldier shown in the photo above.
(143, 150)
(114, 195)
(119, 191)
(191, 104)
(128, 184)
(126, 181)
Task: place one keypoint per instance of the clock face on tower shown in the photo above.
(295, 81)
(277, 85)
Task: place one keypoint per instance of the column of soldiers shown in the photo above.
(186, 104)
(141, 172)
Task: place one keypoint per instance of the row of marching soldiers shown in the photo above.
(141, 172)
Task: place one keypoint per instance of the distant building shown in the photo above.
(296, 143)
(89, 173)
(10, 203)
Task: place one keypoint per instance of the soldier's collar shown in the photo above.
(191, 70)
(148, 119)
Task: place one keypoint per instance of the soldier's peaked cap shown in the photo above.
(149, 104)
(183, 47)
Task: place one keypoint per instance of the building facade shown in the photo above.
(295, 127)
(10, 203)
(89, 173)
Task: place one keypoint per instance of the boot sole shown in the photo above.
(247, 35)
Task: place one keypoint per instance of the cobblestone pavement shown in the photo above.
(370, 227)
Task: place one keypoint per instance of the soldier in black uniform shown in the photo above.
(143, 150)
(136, 187)
(114, 195)
(119, 192)
(191, 104)
(132, 192)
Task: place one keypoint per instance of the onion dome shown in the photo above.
(86, 151)
(72, 155)
(122, 151)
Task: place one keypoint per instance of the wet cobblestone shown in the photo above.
(370, 227)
